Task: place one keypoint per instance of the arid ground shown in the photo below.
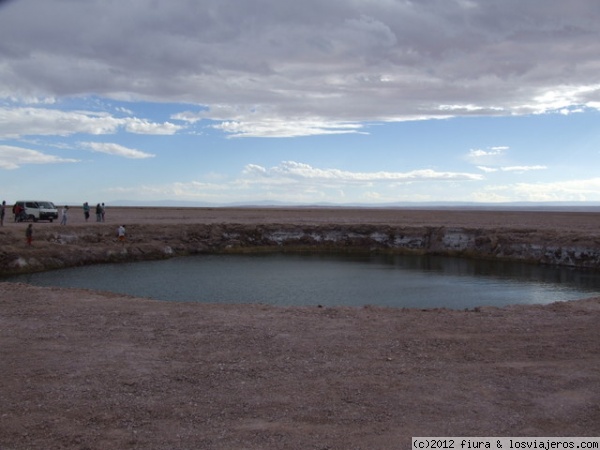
(92, 370)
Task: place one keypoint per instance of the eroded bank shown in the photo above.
(57, 247)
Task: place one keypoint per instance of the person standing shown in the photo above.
(98, 213)
(29, 234)
(65, 211)
(2, 213)
(17, 209)
(86, 211)
(103, 211)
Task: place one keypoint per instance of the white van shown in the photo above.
(35, 210)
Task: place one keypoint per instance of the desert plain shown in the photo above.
(93, 370)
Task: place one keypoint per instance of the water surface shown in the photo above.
(331, 280)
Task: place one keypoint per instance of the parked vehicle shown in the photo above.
(26, 210)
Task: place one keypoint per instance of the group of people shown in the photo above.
(100, 212)
(18, 212)
(100, 217)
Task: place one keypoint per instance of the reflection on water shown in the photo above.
(330, 280)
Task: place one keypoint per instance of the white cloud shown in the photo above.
(264, 121)
(285, 128)
(298, 182)
(140, 126)
(518, 169)
(487, 156)
(522, 169)
(15, 157)
(291, 170)
(487, 169)
(570, 190)
(188, 116)
(493, 159)
(17, 122)
(115, 149)
(558, 191)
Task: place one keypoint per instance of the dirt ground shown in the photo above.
(557, 220)
(91, 370)
(582, 221)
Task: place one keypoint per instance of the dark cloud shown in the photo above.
(336, 60)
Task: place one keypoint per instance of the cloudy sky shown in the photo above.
(344, 101)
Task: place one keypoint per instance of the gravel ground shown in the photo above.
(92, 370)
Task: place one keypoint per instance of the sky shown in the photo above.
(366, 102)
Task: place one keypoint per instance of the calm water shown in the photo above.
(330, 280)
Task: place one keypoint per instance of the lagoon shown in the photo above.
(286, 279)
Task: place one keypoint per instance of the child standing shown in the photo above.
(121, 233)
(29, 234)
